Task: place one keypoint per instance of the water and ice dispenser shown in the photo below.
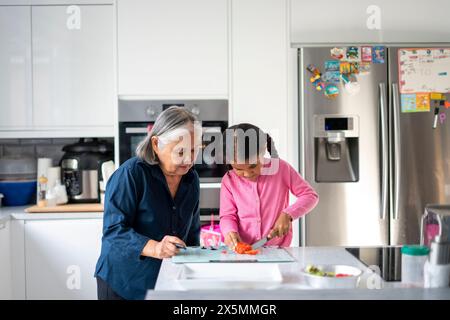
(336, 141)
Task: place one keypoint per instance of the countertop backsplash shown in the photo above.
(37, 148)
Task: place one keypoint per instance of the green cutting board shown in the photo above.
(202, 255)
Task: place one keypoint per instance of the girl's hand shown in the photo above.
(281, 226)
(231, 239)
(162, 249)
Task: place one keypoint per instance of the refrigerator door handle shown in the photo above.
(396, 147)
(384, 151)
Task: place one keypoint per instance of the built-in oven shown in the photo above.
(136, 118)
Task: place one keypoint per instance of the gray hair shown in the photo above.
(169, 120)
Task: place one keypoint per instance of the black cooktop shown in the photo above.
(388, 260)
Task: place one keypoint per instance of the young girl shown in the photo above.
(254, 197)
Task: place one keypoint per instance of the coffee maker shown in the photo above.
(81, 168)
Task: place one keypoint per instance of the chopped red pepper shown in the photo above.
(342, 275)
(252, 252)
(244, 248)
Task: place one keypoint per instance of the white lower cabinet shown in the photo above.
(60, 258)
(5, 261)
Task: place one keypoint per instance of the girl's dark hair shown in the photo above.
(245, 141)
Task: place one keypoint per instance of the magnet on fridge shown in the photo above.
(447, 104)
(442, 117)
(313, 69)
(408, 102)
(314, 78)
(364, 68)
(378, 54)
(345, 78)
(344, 67)
(437, 96)
(331, 65)
(422, 102)
(319, 85)
(316, 81)
(354, 67)
(366, 54)
(352, 54)
(331, 91)
(337, 53)
(331, 76)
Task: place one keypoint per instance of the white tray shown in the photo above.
(194, 276)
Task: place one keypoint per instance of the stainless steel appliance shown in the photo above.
(81, 169)
(136, 118)
(373, 166)
(387, 261)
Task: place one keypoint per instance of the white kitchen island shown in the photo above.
(294, 286)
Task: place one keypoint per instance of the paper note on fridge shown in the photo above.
(424, 70)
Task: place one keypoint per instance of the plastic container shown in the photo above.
(210, 235)
(413, 262)
(18, 193)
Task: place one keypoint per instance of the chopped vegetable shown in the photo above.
(317, 272)
(342, 275)
(253, 252)
(244, 248)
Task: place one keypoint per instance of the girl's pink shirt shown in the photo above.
(251, 208)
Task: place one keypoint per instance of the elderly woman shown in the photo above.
(151, 206)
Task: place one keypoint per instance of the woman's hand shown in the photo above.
(162, 249)
(231, 239)
(281, 226)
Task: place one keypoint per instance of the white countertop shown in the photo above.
(294, 286)
(18, 213)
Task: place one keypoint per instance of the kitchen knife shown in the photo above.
(259, 243)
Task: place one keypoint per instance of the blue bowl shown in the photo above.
(18, 193)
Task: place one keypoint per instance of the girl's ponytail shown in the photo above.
(271, 147)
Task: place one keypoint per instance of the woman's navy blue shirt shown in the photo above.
(139, 207)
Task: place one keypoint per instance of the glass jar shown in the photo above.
(413, 262)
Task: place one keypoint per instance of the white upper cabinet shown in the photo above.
(73, 65)
(15, 67)
(260, 67)
(366, 21)
(173, 47)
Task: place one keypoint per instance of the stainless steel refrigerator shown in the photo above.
(373, 166)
